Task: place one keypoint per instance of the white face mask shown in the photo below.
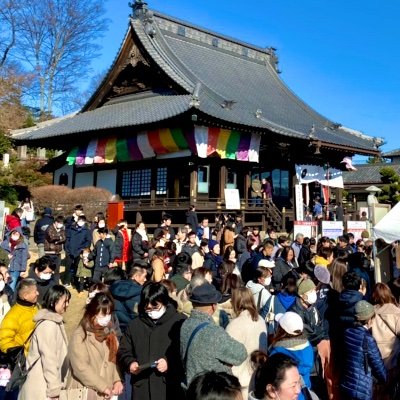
(81, 223)
(59, 226)
(167, 236)
(2, 285)
(15, 238)
(157, 314)
(268, 281)
(103, 320)
(312, 298)
(45, 277)
(101, 225)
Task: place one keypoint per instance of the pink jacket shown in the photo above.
(386, 331)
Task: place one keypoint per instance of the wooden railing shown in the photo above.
(272, 215)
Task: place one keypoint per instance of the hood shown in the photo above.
(254, 287)
(125, 289)
(47, 315)
(286, 299)
(17, 229)
(350, 297)
(47, 211)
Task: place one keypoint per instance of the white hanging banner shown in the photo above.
(326, 176)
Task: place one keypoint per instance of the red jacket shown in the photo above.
(12, 222)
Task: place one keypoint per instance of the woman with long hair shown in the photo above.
(93, 350)
(247, 328)
(386, 331)
(158, 265)
(149, 349)
(140, 243)
(47, 357)
(276, 377)
(283, 265)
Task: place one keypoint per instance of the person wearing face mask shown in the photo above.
(92, 350)
(39, 231)
(261, 282)
(47, 356)
(53, 244)
(77, 238)
(363, 361)
(18, 254)
(99, 224)
(42, 271)
(149, 349)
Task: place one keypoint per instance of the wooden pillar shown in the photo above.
(193, 186)
(41, 153)
(222, 181)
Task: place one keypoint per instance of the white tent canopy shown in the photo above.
(388, 228)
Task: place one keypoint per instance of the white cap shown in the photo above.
(266, 263)
(291, 323)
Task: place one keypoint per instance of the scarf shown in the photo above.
(109, 335)
(143, 234)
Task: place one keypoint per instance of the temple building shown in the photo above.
(185, 113)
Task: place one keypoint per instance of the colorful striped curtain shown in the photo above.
(202, 141)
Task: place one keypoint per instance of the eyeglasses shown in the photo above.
(150, 308)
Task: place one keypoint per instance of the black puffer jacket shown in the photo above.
(346, 307)
(362, 362)
(39, 232)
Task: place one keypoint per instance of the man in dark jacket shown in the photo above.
(348, 299)
(102, 254)
(126, 295)
(39, 231)
(182, 271)
(78, 238)
(165, 224)
(53, 244)
(191, 218)
(190, 247)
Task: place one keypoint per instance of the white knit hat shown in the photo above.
(291, 323)
(266, 263)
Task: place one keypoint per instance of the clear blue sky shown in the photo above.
(341, 57)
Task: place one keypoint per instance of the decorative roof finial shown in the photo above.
(139, 7)
(258, 113)
(195, 101)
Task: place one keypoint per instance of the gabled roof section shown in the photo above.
(367, 174)
(239, 82)
(223, 80)
(392, 153)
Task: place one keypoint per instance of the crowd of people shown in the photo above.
(201, 312)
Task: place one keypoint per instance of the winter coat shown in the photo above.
(158, 269)
(48, 355)
(212, 262)
(192, 220)
(139, 246)
(313, 323)
(78, 238)
(386, 332)
(146, 341)
(85, 271)
(253, 335)
(260, 294)
(42, 285)
(346, 307)
(256, 188)
(356, 381)
(20, 255)
(281, 269)
(170, 230)
(39, 231)
(102, 253)
(229, 239)
(54, 240)
(300, 349)
(189, 249)
(240, 244)
(212, 349)
(126, 295)
(89, 363)
(180, 282)
(304, 256)
(17, 325)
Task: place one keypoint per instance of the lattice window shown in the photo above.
(136, 183)
(161, 187)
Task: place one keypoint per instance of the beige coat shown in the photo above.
(49, 347)
(253, 334)
(4, 306)
(386, 330)
(89, 363)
